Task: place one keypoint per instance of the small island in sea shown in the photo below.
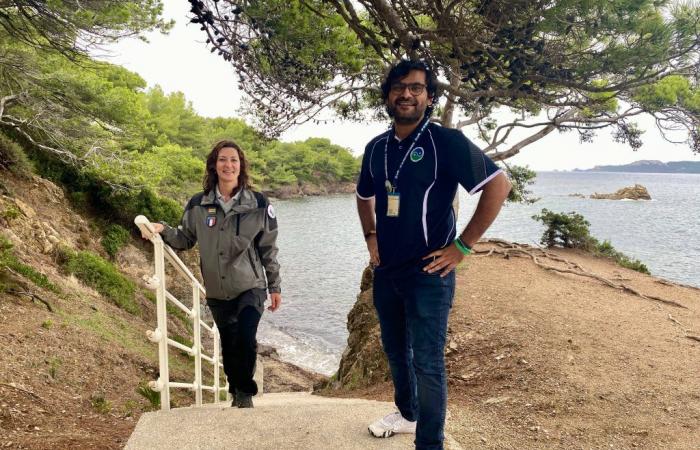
(649, 166)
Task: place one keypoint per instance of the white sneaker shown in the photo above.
(390, 425)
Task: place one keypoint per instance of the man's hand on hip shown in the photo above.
(446, 259)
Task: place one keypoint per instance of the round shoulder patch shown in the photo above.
(271, 211)
(417, 154)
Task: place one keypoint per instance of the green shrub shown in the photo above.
(100, 403)
(118, 206)
(115, 237)
(130, 406)
(605, 248)
(149, 394)
(11, 213)
(13, 158)
(54, 364)
(47, 324)
(102, 276)
(568, 230)
(571, 230)
(9, 261)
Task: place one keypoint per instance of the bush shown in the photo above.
(100, 403)
(605, 248)
(11, 213)
(571, 230)
(13, 158)
(115, 237)
(118, 206)
(9, 261)
(101, 275)
(565, 230)
(149, 394)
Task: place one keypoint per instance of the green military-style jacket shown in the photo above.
(237, 249)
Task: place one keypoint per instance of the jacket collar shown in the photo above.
(246, 201)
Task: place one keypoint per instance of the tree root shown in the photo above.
(686, 331)
(13, 386)
(508, 249)
(34, 297)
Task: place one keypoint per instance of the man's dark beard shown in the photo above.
(404, 120)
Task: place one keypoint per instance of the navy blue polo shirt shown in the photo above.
(427, 183)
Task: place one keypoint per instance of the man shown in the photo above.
(408, 179)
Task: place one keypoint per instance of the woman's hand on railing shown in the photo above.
(155, 227)
(275, 301)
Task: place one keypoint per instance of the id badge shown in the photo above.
(392, 209)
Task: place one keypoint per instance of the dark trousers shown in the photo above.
(413, 315)
(238, 325)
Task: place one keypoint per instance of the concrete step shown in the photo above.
(278, 421)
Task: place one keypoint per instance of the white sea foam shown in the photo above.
(304, 350)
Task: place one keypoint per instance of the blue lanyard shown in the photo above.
(386, 151)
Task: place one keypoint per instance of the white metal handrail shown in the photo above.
(160, 334)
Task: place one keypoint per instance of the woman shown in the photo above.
(236, 228)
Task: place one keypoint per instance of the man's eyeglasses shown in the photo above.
(413, 88)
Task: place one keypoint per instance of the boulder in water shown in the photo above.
(636, 192)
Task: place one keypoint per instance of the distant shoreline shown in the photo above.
(649, 166)
(310, 189)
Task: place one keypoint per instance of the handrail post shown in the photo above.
(160, 334)
(196, 329)
(217, 365)
(161, 312)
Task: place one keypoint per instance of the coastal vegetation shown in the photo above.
(511, 72)
(118, 147)
(101, 275)
(570, 230)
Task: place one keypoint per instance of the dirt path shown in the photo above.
(555, 360)
(538, 359)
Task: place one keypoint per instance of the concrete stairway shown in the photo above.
(278, 421)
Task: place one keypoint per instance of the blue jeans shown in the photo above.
(413, 314)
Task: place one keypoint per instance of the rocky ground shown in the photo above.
(556, 352)
(553, 349)
(72, 362)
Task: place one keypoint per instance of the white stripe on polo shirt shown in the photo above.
(489, 178)
(371, 154)
(454, 223)
(361, 197)
(427, 192)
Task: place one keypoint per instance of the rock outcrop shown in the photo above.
(636, 192)
(310, 189)
(363, 362)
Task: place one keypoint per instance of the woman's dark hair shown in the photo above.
(401, 69)
(210, 176)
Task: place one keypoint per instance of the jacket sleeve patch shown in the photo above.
(271, 211)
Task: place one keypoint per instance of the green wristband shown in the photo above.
(464, 248)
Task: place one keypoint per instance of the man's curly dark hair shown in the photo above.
(401, 69)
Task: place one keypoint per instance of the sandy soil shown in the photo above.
(540, 359)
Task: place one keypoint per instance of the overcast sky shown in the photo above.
(180, 61)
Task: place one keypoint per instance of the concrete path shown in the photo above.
(278, 421)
